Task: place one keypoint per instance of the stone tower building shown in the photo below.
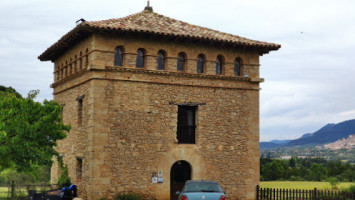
(154, 102)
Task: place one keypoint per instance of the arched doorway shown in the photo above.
(180, 172)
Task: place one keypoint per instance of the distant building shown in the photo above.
(302, 157)
(154, 102)
(285, 157)
(344, 143)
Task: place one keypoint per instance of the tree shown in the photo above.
(273, 171)
(334, 182)
(10, 90)
(318, 172)
(292, 162)
(335, 168)
(29, 130)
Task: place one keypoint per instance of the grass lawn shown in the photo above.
(19, 191)
(3, 192)
(301, 185)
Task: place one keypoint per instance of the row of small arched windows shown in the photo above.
(181, 61)
(68, 68)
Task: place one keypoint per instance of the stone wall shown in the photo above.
(76, 144)
(129, 119)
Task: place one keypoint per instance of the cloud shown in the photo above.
(309, 81)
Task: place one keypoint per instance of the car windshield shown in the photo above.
(202, 187)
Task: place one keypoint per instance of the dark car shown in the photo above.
(201, 190)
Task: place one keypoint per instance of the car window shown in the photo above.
(202, 187)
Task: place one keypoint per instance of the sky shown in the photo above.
(309, 82)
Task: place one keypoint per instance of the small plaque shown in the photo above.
(155, 179)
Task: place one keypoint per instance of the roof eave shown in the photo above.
(77, 34)
(261, 47)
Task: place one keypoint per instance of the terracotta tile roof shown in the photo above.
(148, 22)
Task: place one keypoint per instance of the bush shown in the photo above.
(64, 179)
(295, 178)
(9, 175)
(333, 182)
(128, 196)
(350, 189)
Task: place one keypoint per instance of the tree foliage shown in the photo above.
(334, 182)
(29, 130)
(41, 175)
(309, 169)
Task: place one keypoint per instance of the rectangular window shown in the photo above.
(186, 124)
(80, 109)
(79, 168)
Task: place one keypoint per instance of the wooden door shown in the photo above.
(179, 174)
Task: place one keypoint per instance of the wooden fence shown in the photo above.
(294, 194)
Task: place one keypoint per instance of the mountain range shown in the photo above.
(327, 134)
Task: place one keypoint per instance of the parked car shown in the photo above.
(201, 190)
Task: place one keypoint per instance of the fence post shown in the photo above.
(315, 194)
(12, 193)
(257, 192)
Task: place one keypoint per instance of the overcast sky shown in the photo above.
(309, 82)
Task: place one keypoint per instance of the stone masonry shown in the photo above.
(124, 119)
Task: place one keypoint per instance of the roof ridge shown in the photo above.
(113, 19)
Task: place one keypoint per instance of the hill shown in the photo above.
(327, 134)
(273, 144)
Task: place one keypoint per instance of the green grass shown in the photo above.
(302, 185)
(19, 192)
(4, 192)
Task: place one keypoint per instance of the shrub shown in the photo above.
(350, 189)
(64, 179)
(334, 182)
(128, 196)
(295, 178)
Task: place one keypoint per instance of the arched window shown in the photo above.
(61, 71)
(140, 58)
(118, 56)
(75, 63)
(220, 65)
(181, 61)
(66, 69)
(200, 63)
(237, 67)
(81, 60)
(161, 60)
(71, 66)
(86, 58)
